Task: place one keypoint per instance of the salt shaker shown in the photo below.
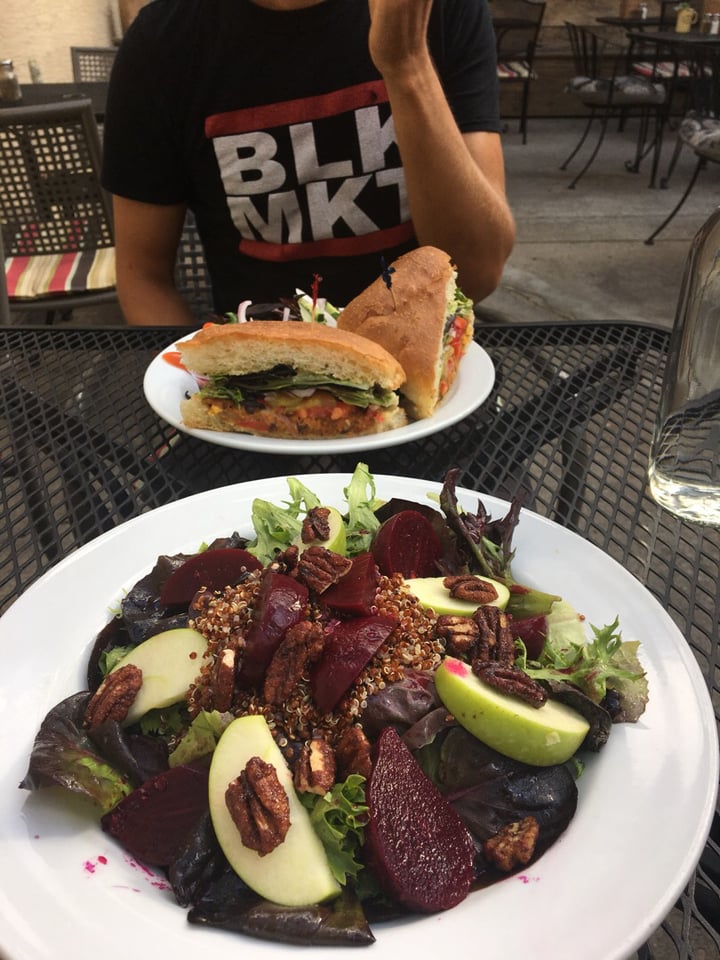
(9, 86)
(35, 72)
(684, 465)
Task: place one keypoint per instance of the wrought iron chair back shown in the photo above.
(191, 274)
(55, 217)
(517, 26)
(92, 63)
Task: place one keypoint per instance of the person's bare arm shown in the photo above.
(455, 182)
(146, 241)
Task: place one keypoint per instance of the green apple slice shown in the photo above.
(169, 661)
(434, 596)
(336, 541)
(296, 873)
(541, 736)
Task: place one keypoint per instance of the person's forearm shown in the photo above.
(146, 243)
(148, 303)
(454, 204)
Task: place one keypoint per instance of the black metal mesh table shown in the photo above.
(569, 422)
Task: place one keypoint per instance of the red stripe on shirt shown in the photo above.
(297, 111)
(331, 247)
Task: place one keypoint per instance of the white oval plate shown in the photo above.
(165, 385)
(645, 807)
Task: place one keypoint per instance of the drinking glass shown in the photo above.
(684, 467)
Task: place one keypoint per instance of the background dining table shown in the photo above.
(40, 94)
(568, 422)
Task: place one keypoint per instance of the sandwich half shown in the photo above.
(290, 380)
(422, 319)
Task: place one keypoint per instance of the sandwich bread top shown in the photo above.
(238, 349)
(408, 320)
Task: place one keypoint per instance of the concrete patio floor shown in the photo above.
(580, 254)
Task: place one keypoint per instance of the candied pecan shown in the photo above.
(316, 525)
(301, 646)
(114, 697)
(315, 767)
(318, 568)
(510, 679)
(459, 633)
(286, 561)
(259, 806)
(352, 753)
(223, 680)
(496, 640)
(514, 845)
(468, 587)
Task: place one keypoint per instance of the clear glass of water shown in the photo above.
(684, 467)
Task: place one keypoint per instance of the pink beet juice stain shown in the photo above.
(157, 882)
(457, 667)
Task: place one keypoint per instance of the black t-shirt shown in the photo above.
(275, 128)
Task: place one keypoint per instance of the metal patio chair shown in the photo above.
(699, 130)
(55, 217)
(602, 85)
(92, 64)
(517, 26)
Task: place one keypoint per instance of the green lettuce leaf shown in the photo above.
(362, 503)
(237, 388)
(303, 499)
(165, 721)
(606, 662)
(339, 819)
(276, 527)
(201, 737)
(110, 658)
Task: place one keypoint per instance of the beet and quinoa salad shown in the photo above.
(347, 717)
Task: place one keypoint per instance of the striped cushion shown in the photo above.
(620, 91)
(515, 69)
(702, 134)
(55, 274)
(665, 70)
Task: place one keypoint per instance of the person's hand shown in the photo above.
(398, 34)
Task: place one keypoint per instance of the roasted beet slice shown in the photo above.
(533, 633)
(418, 847)
(355, 592)
(280, 604)
(153, 822)
(212, 569)
(347, 650)
(407, 544)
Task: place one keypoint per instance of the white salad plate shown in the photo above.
(645, 801)
(166, 384)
